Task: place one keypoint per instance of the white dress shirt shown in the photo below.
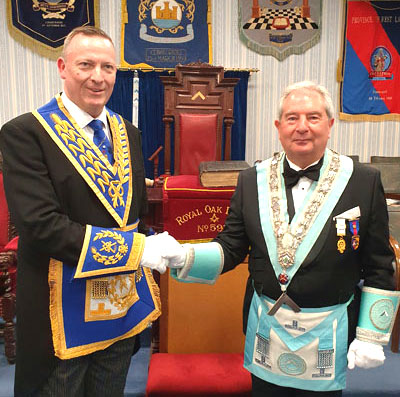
(83, 119)
(300, 190)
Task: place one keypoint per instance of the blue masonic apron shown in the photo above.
(306, 349)
(106, 296)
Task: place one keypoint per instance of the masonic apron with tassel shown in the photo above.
(303, 348)
(106, 296)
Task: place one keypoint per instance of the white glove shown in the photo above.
(173, 251)
(151, 257)
(364, 354)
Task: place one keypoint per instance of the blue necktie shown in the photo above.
(100, 139)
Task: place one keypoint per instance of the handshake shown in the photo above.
(162, 251)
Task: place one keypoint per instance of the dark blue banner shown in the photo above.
(49, 22)
(164, 33)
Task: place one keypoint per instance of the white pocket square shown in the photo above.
(352, 213)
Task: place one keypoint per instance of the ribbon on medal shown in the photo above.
(341, 231)
(354, 226)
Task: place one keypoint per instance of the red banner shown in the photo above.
(371, 62)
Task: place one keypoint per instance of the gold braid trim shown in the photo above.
(57, 323)
(56, 312)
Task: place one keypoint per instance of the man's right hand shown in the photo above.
(174, 251)
(152, 257)
(162, 250)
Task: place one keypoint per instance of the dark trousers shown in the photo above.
(260, 388)
(102, 373)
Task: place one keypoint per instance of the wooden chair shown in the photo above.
(354, 157)
(8, 261)
(198, 103)
(394, 217)
(390, 176)
(385, 159)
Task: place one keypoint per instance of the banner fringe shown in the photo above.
(339, 76)
(209, 26)
(369, 117)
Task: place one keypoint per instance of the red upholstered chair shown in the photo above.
(198, 103)
(8, 271)
(197, 141)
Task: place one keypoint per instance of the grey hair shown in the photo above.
(86, 30)
(309, 85)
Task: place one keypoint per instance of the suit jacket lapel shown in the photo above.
(319, 244)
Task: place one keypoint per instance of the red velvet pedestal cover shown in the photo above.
(200, 375)
(192, 212)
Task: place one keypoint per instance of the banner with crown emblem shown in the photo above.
(280, 28)
(164, 33)
(369, 71)
(43, 25)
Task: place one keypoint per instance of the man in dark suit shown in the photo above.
(313, 224)
(74, 180)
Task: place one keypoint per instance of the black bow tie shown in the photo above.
(291, 176)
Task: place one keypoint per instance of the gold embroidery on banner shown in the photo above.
(214, 218)
(148, 9)
(92, 162)
(117, 251)
(52, 10)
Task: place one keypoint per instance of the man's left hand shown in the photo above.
(365, 354)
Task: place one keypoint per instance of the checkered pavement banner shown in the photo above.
(369, 71)
(280, 28)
